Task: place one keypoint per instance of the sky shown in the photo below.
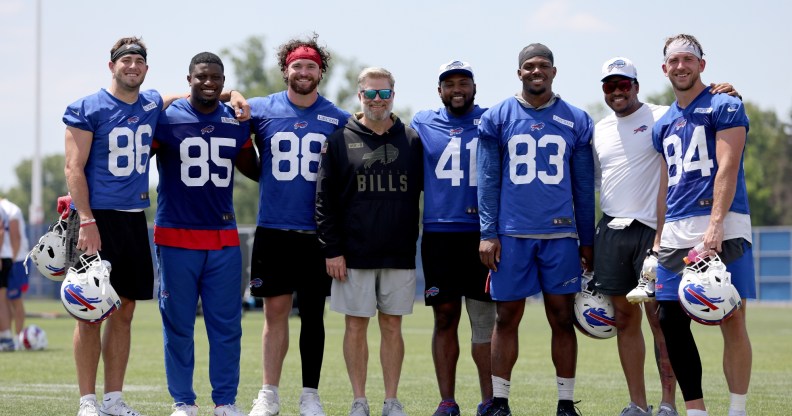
(411, 38)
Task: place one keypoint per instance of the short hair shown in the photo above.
(285, 49)
(128, 41)
(374, 72)
(205, 58)
(685, 38)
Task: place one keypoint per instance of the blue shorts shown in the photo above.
(17, 281)
(529, 266)
(737, 255)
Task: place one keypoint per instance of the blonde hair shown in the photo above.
(375, 72)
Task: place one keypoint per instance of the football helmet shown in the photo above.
(595, 315)
(49, 254)
(32, 338)
(86, 292)
(706, 292)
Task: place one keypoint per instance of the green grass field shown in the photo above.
(43, 383)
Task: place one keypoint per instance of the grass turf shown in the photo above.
(44, 382)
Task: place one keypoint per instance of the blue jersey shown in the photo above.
(196, 154)
(290, 140)
(117, 167)
(536, 171)
(450, 146)
(686, 138)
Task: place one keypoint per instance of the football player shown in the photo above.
(702, 140)
(291, 126)
(536, 202)
(449, 246)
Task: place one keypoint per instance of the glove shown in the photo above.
(64, 203)
(649, 268)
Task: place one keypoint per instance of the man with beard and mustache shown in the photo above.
(536, 202)
(108, 144)
(198, 250)
(449, 246)
(291, 126)
(367, 194)
(702, 141)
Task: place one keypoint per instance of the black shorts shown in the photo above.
(125, 244)
(7, 263)
(452, 267)
(619, 255)
(284, 262)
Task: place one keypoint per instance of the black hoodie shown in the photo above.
(367, 194)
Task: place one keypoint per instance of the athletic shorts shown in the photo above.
(125, 244)
(737, 255)
(5, 272)
(391, 291)
(452, 267)
(619, 255)
(529, 266)
(17, 281)
(284, 262)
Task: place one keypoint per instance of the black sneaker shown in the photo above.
(567, 408)
(499, 407)
(482, 408)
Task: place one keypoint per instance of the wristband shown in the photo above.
(85, 223)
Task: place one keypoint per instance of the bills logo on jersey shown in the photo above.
(456, 131)
(208, 129)
(640, 129)
(682, 122)
(74, 295)
(133, 120)
(537, 126)
(300, 125)
(257, 282)
(432, 291)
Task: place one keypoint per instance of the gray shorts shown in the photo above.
(391, 291)
(619, 255)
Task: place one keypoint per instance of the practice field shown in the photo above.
(44, 383)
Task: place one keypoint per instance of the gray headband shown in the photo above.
(532, 50)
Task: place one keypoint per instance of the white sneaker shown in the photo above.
(360, 407)
(119, 408)
(182, 409)
(310, 405)
(266, 404)
(393, 407)
(228, 410)
(88, 408)
(644, 292)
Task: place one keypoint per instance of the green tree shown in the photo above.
(53, 185)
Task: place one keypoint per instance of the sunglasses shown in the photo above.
(623, 85)
(371, 94)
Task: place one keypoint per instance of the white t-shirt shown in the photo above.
(627, 166)
(14, 213)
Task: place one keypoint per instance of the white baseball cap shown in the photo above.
(619, 66)
(454, 67)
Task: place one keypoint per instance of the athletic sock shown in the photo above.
(500, 387)
(566, 388)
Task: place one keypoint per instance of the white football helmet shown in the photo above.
(49, 254)
(706, 292)
(595, 315)
(86, 292)
(32, 338)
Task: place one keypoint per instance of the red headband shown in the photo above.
(304, 52)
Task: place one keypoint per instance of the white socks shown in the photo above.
(566, 388)
(500, 387)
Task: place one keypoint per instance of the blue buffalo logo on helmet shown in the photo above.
(55, 271)
(74, 295)
(694, 293)
(598, 317)
(300, 125)
(208, 129)
(537, 126)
